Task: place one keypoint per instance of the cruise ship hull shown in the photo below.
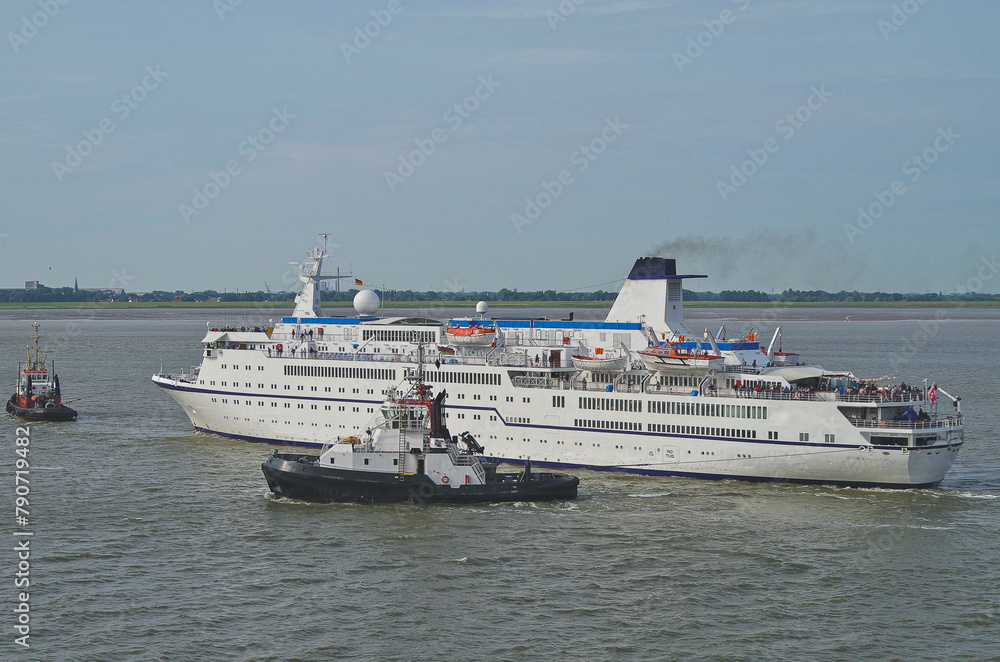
(856, 464)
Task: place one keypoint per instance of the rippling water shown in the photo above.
(153, 543)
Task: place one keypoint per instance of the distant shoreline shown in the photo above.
(109, 305)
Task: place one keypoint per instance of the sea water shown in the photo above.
(151, 542)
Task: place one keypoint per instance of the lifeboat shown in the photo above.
(675, 358)
(473, 334)
(600, 363)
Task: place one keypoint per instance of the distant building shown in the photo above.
(32, 285)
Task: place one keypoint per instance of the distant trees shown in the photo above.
(743, 295)
(45, 294)
(67, 294)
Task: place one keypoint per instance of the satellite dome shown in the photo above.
(366, 303)
(482, 307)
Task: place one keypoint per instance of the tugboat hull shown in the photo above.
(300, 477)
(40, 414)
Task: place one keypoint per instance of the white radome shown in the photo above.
(482, 308)
(366, 303)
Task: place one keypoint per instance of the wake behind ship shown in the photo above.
(639, 393)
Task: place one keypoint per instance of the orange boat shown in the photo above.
(673, 357)
(474, 334)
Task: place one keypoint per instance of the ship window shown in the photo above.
(366, 461)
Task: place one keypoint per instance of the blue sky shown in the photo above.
(479, 145)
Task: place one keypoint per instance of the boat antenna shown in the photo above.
(33, 363)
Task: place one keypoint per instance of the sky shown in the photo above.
(477, 145)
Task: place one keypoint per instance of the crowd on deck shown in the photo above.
(243, 329)
(867, 389)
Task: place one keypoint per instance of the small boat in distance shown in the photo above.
(409, 456)
(38, 396)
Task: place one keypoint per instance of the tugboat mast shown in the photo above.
(34, 363)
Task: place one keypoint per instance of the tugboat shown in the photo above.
(409, 456)
(38, 396)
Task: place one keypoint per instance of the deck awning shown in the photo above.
(794, 373)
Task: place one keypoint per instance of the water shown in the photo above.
(153, 543)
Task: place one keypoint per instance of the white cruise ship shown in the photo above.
(639, 393)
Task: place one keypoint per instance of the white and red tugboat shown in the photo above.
(38, 396)
(408, 455)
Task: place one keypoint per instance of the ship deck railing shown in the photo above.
(912, 398)
(181, 378)
(505, 360)
(463, 460)
(822, 396)
(513, 360)
(933, 424)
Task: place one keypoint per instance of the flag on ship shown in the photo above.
(358, 282)
(932, 394)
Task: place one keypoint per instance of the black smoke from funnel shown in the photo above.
(772, 260)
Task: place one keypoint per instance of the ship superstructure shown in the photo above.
(680, 403)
